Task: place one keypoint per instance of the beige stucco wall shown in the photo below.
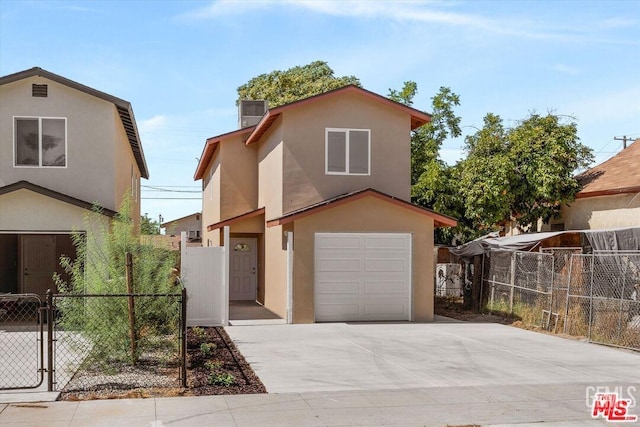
(24, 210)
(275, 269)
(211, 201)
(365, 215)
(304, 178)
(595, 213)
(270, 172)
(189, 223)
(91, 155)
(239, 177)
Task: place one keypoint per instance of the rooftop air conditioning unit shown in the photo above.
(448, 280)
(250, 112)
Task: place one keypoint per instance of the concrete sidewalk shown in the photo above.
(550, 404)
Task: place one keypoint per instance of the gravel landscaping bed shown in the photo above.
(214, 366)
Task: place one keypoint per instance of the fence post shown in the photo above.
(50, 321)
(624, 282)
(512, 281)
(553, 277)
(493, 291)
(183, 344)
(132, 315)
(481, 282)
(591, 297)
(566, 308)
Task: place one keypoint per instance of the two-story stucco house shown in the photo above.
(317, 198)
(64, 147)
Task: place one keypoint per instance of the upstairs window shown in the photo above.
(347, 151)
(40, 142)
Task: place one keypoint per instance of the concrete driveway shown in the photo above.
(340, 356)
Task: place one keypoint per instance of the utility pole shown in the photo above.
(624, 140)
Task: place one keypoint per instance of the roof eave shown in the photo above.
(26, 185)
(123, 107)
(209, 148)
(418, 118)
(440, 220)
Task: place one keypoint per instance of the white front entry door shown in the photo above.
(362, 277)
(243, 277)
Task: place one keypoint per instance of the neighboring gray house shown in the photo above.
(191, 224)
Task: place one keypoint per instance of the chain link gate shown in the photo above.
(22, 318)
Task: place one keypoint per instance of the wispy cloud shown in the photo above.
(565, 69)
(619, 22)
(83, 9)
(421, 11)
(153, 124)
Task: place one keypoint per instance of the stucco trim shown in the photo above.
(418, 118)
(439, 219)
(210, 148)
(20, 185)
(235, 219)
(123, 107)
(612, 192)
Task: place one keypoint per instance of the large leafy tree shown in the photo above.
(434, 183)
(524, 173)
(282, 87)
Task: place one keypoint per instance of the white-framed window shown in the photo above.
(347, 151)
(40, 142)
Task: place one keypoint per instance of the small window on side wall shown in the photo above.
(347, 151)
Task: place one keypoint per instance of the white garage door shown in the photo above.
(362, 277)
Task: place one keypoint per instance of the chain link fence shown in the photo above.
(521, 283)
(603, 302)
(117, 342)
(592, 295)
(21, 342)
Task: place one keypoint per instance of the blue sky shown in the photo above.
(179, 62)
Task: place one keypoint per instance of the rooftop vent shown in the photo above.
(250, 112)
(39, 91)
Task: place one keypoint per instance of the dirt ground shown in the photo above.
(453, 307)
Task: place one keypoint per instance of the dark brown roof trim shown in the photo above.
(235, 219)
(210, 148)
(440, 220)
(20, 185)
(168, 223)
(612, 192)
(418, 118)
(123, 107)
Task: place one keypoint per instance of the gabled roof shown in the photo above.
(439, 219)
(123, 107)
(618, 175)
(418, 118)
(167, 223)
(235, 219)
(210, 148)
(54, 195)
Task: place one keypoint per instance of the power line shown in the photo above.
(161, 189)
(624, 140)
(171, 198)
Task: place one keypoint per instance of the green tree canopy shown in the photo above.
(282, 87)
(148, 225)
(523, 173)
